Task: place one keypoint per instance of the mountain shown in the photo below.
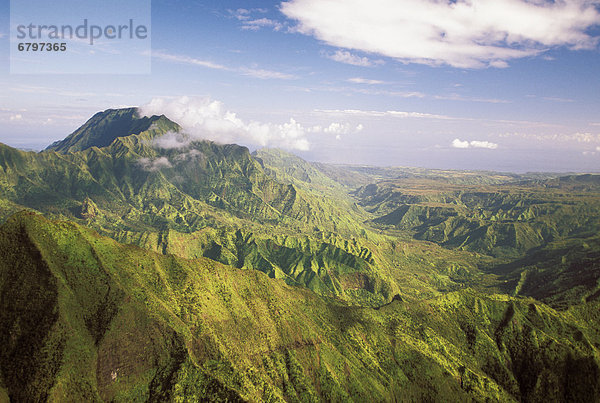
(104, 127)
(196, 199)
(140, 263)
(86, 317)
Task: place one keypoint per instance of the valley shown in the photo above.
(140, 264)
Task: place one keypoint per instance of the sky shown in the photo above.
(505, 85)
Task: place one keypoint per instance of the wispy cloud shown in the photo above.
(360, 80)
(266, 74)
(250, 22)
(457, 143)
(461, 33)
(558, 99)
(343, 56)
(457, 97)
(394, 114)
(41, 117)
(153, 165)
(262, 74)
(167, 57)
(576, 137)
(364, 91)
(255, 25)
(425, 115)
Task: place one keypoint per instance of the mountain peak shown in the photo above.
(104, 127)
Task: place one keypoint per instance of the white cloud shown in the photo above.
(360, 80)
(371, 91)
(457, 97)
(246, 71)
(172, 140)
(556, 137)
(460, 33)
(396, 114)
(460, 144)
(255, 25)
(203, 118)
(266, 74)
(245, 16)
(153, 165)
(187, 60)
(457, 143)
(337, 128)
(483, 144)
(193, 155)
(342, 128)
(17, 116)
(349, 58)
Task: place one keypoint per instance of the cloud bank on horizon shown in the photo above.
(207, 119)
(459, 33)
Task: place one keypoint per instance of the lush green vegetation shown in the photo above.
(199, 271)
(85, 316)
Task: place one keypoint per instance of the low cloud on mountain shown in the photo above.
(207, 119)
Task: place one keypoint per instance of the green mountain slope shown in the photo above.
(197, 199)
(83, 317)
(104, 127)
(300, 221)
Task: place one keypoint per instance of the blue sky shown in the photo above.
(487, 84)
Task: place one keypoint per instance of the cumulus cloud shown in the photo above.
(460, 144)
(155, 164)
(459, 33)
(204, 118)
(342, 56)
(457, 143)
(208, 119)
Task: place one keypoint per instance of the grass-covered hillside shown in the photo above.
(85, 318)
(140, 264)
